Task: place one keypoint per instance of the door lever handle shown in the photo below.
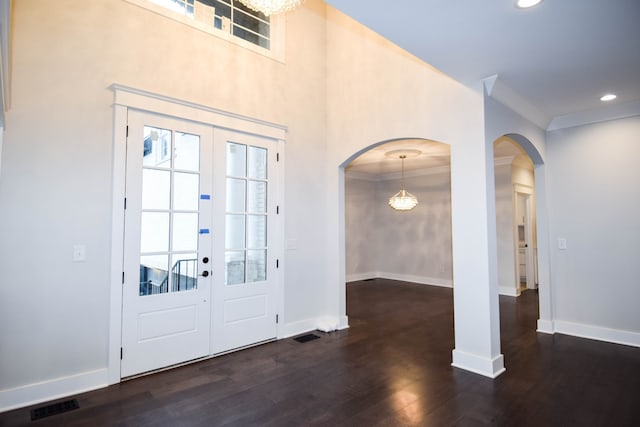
(205, 273)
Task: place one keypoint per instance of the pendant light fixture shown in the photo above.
(403, 200)
(271, 7)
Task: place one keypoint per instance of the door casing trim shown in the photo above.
(126, 98)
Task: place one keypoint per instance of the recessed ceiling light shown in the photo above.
(525, 4)
(608, 97)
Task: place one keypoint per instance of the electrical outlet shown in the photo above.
(79, 253)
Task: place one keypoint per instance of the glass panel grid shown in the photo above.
(169, 217)
(246, 218)
(226, 15)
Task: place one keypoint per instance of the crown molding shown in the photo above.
(496, 89)
(397, 175)
(605, 113)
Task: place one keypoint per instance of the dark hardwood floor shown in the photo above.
(391, 368)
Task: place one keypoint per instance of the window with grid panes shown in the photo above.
(226, 15)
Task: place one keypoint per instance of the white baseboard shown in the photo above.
(615, 336)
(545, 326)
(361, 276)
(55, 389)
(422, 280)
(322, 323)
(296, 328)
(508, 291)
(343, 323)
(480, 365)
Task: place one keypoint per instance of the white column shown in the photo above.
(475, 287)
(545, 322)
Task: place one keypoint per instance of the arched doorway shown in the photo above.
(529, 199)
(411, 246)
(515, 218)
(476, 313)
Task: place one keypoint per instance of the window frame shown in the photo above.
(276, 22)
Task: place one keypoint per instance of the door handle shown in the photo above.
(205, 273)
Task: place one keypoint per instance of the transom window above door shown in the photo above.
(228, 16)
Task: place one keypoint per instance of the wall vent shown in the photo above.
(54, 409)
(306, 338)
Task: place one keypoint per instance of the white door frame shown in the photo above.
(126, 98)
(525, 190)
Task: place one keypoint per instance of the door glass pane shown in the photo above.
(256, 266)
(185, 232)
(246, 206)
(157, 147)
(257, 163)
(153, 274)
(155, 232)
(234, 267)
(186, 192)
(170, 211)
(257, 196)
(234, 232)
(155, 189)
(184, 272)
(187, 152)
(236, 195)
(256, 231)
(236, 159)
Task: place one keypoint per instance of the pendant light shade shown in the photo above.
(403, 200)
(271, 7)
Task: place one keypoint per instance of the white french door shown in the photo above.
(167, 255)
(200, 245)
(244, 308)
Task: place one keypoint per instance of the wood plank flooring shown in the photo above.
(391, 368)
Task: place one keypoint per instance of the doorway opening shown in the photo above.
(515, 218)
(531, 198)
(384, 243)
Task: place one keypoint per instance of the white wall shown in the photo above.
(414, 246)
(361, 224)
(595, 200)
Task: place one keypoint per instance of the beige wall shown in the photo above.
(57, 161)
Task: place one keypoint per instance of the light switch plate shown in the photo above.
(562, 243)
(292, 244)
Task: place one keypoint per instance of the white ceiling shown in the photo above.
(558, 58)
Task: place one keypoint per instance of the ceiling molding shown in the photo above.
(397, 175)
(496, 89)
(609, 112)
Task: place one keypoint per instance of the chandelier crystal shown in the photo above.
(271, 7)
(403, 200)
